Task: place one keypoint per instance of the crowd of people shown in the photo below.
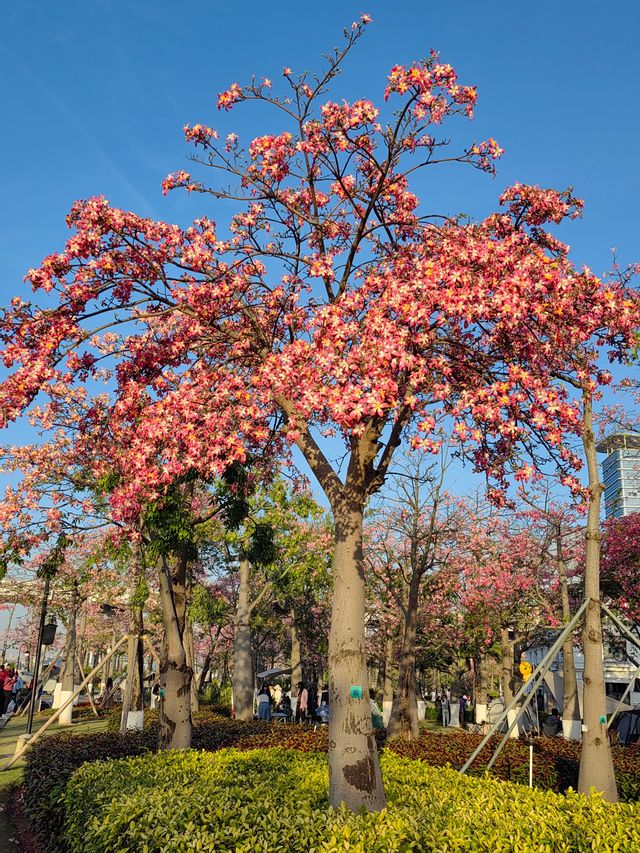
(11, 685)
(305, 707)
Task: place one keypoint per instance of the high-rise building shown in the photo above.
(621, 473)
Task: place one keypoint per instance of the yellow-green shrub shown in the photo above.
(276, 800)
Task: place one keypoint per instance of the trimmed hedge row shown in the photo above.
(556, 761)
(49, 765)
(276, 800)
(52, 761)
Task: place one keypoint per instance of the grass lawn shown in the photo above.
(10, 778)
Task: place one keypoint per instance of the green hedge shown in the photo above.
(556, 761)
(276, 800)
(51, 762)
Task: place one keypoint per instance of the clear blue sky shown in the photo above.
(95, 94)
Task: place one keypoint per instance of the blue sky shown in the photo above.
(95, 94)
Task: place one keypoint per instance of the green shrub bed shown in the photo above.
(276, 800)
(49, 765)
(52, 761)
(556, 761)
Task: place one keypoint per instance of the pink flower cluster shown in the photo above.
(232, 96)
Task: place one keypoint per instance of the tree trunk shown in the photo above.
(380, 676)
(354, 768)
(296, 654)
(205, 670)
(67, 674)
(570, 704)
(133, 699)
(507, 678)
(191, 661)
(596, 763)
(387, 695)
(403, 723)
(174, 724)
(242, 663)
(480, 687)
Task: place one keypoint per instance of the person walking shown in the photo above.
(264, 703)
(445, 709)
(463, 711)
(301, 704)
(4, 674)
(8, 687)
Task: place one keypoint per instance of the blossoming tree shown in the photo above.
(332, 308)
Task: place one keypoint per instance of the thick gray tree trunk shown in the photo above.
(480, 687)
(296, 654)
(242, 660)
(596, 763)
(191, 661)
(387, 695)
(507, 677)
(354, 768)
(67, 674)
(403, 723)
(174, 723)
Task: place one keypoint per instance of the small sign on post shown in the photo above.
(525, 670)
(355, 692)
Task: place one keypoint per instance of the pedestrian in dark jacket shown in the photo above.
(463, 711)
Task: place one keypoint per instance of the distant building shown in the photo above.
(621, 473)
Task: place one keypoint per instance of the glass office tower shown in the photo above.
(621, 473)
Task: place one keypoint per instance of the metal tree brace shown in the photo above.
(18, 755)
(530, 687)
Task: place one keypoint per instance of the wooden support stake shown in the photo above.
(151, 649)
(52, 719)
(93, 704)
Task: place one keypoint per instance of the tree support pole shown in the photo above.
(149, 645)
(93, 704)
(635, 640)
(624, 696)
(52, 719)
(541, 669)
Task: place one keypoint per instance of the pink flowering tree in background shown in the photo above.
(333, 309)
(621, 564)
(558, 528)
(497, 594)
(407, 541)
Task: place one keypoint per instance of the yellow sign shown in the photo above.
(525, 670)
